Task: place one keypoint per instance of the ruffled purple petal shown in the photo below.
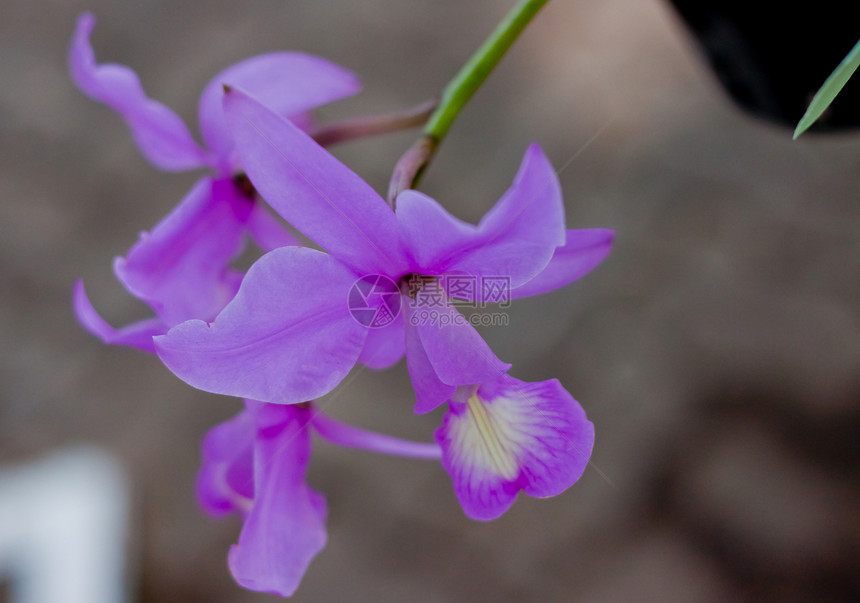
(289, 83)
(430, 391)
(136, 335)
(510, 436)
(162, 136)
(312, 190)
(384, 346)
(226, 480)
(285, 528)
(181, 268)
(457, 352)
(286, 337)
(353, 437)
(515, 240)
(583, 250)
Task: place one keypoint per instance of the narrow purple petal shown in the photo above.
(457, 352)
(267, 232)
(515, 239)
(181, 268)
(285, 528)
(226, 480)
(510, 436)
(384, 346)
(430, 391)
(286, 337)
(290, 83)
(312, 190)
(583, 251)
(136, 335)
(353, 437)
(162, 136)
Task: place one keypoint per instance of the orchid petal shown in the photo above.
(161, 135)
(510, 436)
(181, 267)
(353, 437)
(267, 232)
(384, 346)
(290, 83)
(433, 238)
(582, 252)
(226, 479)
(136, 335)
(285, 528)
(457, 352)
(515, 239)
(430, 391)
(286, 337)
(312, 190)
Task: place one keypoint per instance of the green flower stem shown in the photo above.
(475, 71)
(458, 92)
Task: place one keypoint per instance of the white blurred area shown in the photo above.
(63, 523)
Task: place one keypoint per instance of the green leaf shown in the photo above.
(829, 90)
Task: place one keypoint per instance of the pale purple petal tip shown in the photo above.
(582, 252)
(162, 136)
(136, 335)
(509, 436)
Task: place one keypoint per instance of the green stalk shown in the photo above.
(470, 77)
(458, 92)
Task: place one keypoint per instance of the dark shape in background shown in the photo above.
(771, 59)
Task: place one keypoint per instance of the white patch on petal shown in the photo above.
(490, 436)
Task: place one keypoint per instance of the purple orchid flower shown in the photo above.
(255, 464)
(288, 335)
(181, 269)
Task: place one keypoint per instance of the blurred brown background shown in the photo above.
(716, 350)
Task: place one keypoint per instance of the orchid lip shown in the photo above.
(498, 452)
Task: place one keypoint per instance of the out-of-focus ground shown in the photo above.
(716, 350)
